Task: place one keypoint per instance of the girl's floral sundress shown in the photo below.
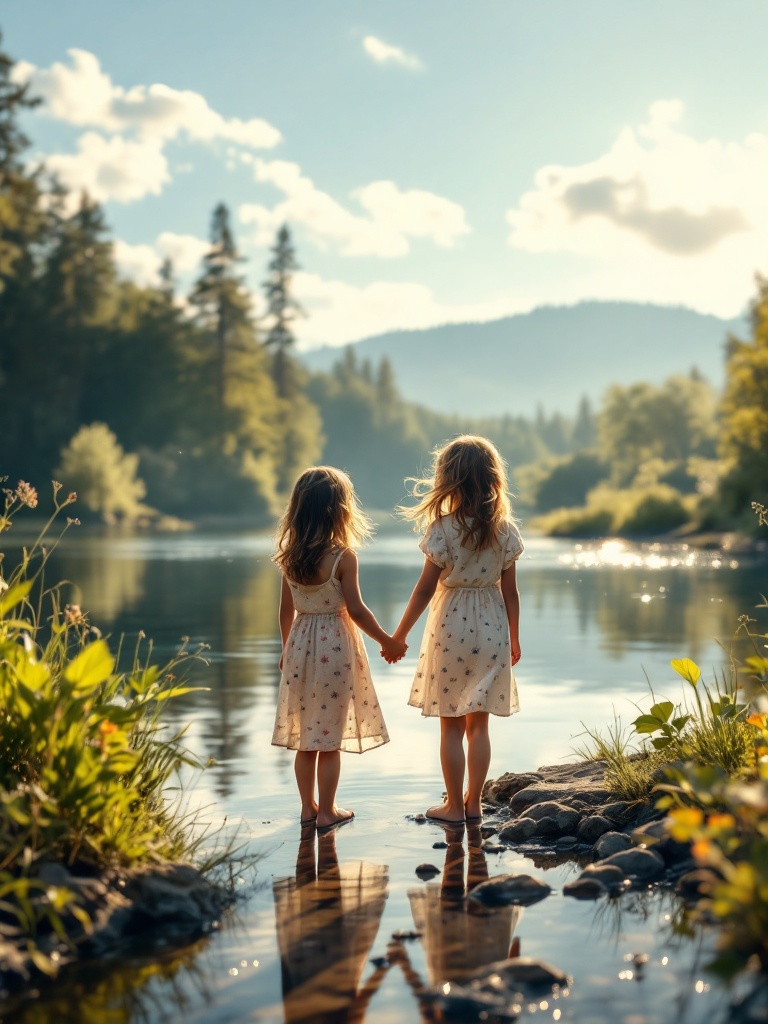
(326, 699)
(464, 664)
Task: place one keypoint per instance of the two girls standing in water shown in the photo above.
(327, 701)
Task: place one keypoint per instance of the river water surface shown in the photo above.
(596, 621)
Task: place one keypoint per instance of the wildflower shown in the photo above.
(74, 615)
(72, 496)
(26, 494)
(106, 728)
(72, 522)
(56, 487)
(701, 850)
(757, 720)
(686, 822)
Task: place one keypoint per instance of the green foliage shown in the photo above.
(744, 439)
(642, 422)
(629, 512)
(85, 760)
(95, 466)
(557, 482)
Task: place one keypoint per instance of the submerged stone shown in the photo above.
(503, 890)
(610, 843)
(585, 888)
(643, 865)
(518, 831)
(427, 871)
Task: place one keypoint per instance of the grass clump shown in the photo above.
(85, 760)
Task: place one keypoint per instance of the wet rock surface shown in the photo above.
(167, 905)
(564, 812)
(522, 890)
(495, 992)
(427, 871)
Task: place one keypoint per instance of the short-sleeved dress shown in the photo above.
(464, 664)
(326, 699)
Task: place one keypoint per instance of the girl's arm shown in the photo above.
(422, 594)
(512, 603)
(360, 613)
(285, 615)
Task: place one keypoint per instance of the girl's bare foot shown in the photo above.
(308, 813)
(448, 813)
(472, 809)
(325, 819)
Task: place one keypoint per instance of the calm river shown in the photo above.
(596, 621)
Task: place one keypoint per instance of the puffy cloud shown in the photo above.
(82, 94)
(340, 312)
(661, 216)
(385, 53)
(391, 217)
(113, 168)
(141, 263)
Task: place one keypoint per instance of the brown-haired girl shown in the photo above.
(326, 701)
(471, 640)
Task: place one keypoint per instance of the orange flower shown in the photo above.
(721, 822)
(757, 720)
(701, 849)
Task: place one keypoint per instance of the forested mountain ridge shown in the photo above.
(550, 356)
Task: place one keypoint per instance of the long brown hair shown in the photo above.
(468, 480)
(323, 513)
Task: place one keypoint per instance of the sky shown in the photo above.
(435, 162)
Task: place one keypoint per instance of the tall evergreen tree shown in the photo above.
(282, 310)
(584, 432)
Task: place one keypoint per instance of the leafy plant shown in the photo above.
(85, 759)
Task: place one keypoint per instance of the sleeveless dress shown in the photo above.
(326, 699)
(464, 664)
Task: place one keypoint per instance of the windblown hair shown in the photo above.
(469, 480)
(323, 513)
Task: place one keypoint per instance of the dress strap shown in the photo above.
(336, 563)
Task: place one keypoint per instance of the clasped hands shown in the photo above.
(393, 650)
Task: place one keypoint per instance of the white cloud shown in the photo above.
(122, 156)
(390, 219)
(113, 168)
(384, 53)
(141, 263)
(340, 312)
(661, 216)
(82, 94)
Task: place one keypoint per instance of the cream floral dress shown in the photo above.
(464, 664)
(326, 699)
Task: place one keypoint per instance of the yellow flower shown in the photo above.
(720, 822)
(686, 822)
(701, 849)
(757, 720)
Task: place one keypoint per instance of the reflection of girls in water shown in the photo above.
(459, 935)
(327, 919)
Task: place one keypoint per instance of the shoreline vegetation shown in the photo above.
(96, 850)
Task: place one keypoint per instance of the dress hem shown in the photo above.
(436, 714)
(330, 750)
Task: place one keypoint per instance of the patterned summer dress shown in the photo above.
(326, 699)
(464, 664)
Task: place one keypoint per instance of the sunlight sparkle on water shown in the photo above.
(622, 555)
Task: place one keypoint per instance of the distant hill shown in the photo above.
(551, 356)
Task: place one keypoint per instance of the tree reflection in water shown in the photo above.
(327, 918)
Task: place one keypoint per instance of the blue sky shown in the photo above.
(435, 161)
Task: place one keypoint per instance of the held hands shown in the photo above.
(393, 650)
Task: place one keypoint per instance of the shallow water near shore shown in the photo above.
(298, 946)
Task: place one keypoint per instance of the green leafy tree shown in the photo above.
(282, 310)
(744, 438)
(104, 476)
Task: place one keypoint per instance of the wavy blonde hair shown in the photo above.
(323, 513)
(469, 481)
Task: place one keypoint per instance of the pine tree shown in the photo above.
(584, 432)
(282, 310)
(224, 305)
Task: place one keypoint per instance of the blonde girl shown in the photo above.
(326, 702)
(471, 640)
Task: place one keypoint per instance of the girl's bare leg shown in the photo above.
(304, 768)
(478, 760)
(452, 762)
(328, 771)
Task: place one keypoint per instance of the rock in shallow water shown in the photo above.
(609, 875)
(610, 843)
(590, 829)
(518, 831)
(500, 791)
(427, 871)
(643, 865)
(585, 888)
(503, 890)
